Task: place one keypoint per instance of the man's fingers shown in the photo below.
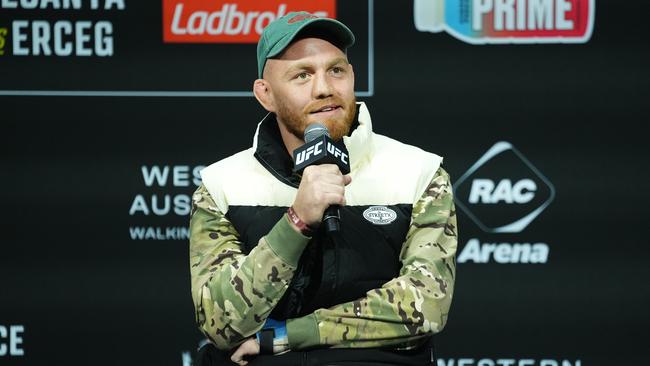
(327, 187)
(322, 169)
(335, 199)
(332, 178)
(330, 168)
(348, 179)
(248, 348)
(238, 356)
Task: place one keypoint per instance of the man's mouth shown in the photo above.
(327, 108)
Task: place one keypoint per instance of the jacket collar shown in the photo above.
(272, 154)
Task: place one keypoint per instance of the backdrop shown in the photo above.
(110, 108)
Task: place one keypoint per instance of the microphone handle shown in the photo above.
(332, 219)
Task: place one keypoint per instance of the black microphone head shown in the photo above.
(320, 149)
(314, 131)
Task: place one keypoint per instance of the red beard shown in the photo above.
(296, 122)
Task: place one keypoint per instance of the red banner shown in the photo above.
(223, 21)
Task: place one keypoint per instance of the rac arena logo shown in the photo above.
(503, 192)
(508, 21)
(234, 21)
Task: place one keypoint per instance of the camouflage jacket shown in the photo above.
(236, 286)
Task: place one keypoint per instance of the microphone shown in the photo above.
(318, 149)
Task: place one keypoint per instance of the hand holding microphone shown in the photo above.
(321, 187)
(323, 163)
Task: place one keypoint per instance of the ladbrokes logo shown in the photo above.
(503, 192)
(234, 21)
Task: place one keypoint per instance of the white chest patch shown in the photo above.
(379, 215)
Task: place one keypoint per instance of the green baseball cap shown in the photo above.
(282, 31)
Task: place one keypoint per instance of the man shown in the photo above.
(263, 269)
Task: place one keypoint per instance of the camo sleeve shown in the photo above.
(234, 293)
(408, 308)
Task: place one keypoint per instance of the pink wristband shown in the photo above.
(305, 229)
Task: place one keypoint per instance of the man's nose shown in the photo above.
(322, 88)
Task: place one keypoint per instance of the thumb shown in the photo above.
(348, 179)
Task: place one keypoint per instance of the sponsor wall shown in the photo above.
(111, 108)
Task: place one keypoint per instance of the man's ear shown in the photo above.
(262, 91)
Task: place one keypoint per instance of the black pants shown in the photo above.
(209, 356)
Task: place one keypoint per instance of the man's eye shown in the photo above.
(337, 70)
(303, 75)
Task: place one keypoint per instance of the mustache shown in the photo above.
(322, 103)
